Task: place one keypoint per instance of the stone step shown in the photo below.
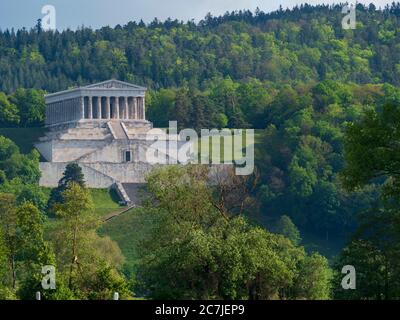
(135, 192)
(117, 130)
(122, 193)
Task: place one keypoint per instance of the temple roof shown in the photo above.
(109, 84)
(104, 88)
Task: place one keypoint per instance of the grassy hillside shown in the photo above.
(105, 201)
(125, 230)
(215, 144)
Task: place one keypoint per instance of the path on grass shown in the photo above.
(115, 214)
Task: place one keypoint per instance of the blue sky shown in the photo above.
(97, 13)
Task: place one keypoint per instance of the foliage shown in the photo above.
(31, 106)
(325, 99)
(300, 155)
(8, 112)
(192, 251)
(83, 258)
(17, 165)
(303, 44)
(371, 150)
(287, 228)
(22, 239)
(26, 193)
(72, 174)
(371, 154)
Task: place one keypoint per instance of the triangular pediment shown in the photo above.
(115, 84)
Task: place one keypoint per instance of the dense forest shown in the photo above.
(304, 44)
(319, 96)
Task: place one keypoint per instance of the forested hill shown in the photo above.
(296, 75)
(305, 44)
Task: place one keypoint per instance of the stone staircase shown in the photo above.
(109, 131)
(130, 193)
(122, 193)
(135, 192)
(117, 130)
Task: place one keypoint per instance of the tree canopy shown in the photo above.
(190, 250)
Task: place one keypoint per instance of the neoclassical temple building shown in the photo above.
(109, 100)
(103, 128)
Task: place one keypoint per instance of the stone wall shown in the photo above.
(46, 149)
(97, 175)
(123, 172)
(67, 151)
(113, 152)
(53, 172)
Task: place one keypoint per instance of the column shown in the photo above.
(140, 108)
(126, 108)
(135, 108)
(90, 108)
(108, 108)
(130, 111)
(82, 111)
(77, 108)
(63, 111)
(116, 107)
(140, 102)
(144, 108)
(99, 115)
(132, 108)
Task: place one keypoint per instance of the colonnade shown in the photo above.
(127, 108)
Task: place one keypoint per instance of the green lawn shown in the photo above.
(215, 145)
(25, 138)
(125, 230)
(105, 201)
